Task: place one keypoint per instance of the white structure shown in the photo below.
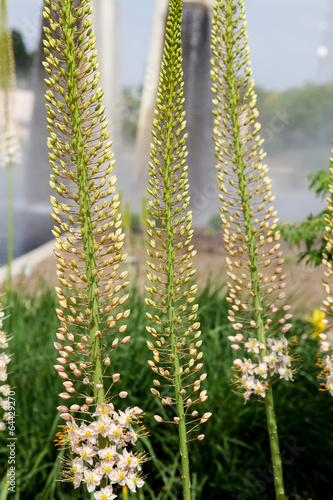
(195, 35)
(107, 29)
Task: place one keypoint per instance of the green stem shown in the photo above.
(175, 9)
(254, 267)
(84, 201)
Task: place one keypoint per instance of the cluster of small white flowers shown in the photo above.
(113, 463)
(327, 362)
(254, 375)
(5, 388)
(10, 148)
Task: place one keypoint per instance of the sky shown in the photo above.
(284, 37)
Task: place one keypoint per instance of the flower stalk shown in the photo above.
(9, 143)
(89, 246)
(176, 335)
(250, 236)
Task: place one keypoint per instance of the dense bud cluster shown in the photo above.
(176, 344)
(88, 235)
(10, 148)
(256, 280)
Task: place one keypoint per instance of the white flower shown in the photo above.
(285, 373)
(253, 345)
(260, 388)
(134, 482)
(92, 478)
(105, 494)
(261, 370)
(248, 366)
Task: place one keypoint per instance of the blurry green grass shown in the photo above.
(231, 463)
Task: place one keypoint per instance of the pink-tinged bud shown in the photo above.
(99, 387)
(62, 361)
(274, 310)
(123, 394)
(83, 366)
(85, 408)
(205, 417)
(71, 389)
(286, 327)
(61, 337)
(64, 395)
(253, 324)
(158, 418)
(86, 381)
(194, 413)
(286, 308)
(63, 409)
(68, 348)
(77, 373)
(59, 368)
(238, 362)
(325, 346)
(107, 361)
(70, 337)
(126, 339)
(231, 338)
(288, 316)
(235, 347)
(122, 328)
(323, 336)
(65, 416)
(75, 408)
(201, 437)
(203, 377)
(64, 354)
(98, 334)
(68, 383)
(57, 346)
(116, 377)
(63, 375)
(237, 326)
(72, 366)
(84, 339)
(239, 337)
(89, 401)
(281, 296)
(115, 343)
(325, 322)
(176, 420)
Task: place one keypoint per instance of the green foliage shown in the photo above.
(297, 118)
(232, 461)
(310, 232)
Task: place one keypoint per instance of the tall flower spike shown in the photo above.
(255, 261)
(89, 241)
(326, 339)
(177, 359)
(9, 141)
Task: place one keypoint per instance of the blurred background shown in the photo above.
(292, 58)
